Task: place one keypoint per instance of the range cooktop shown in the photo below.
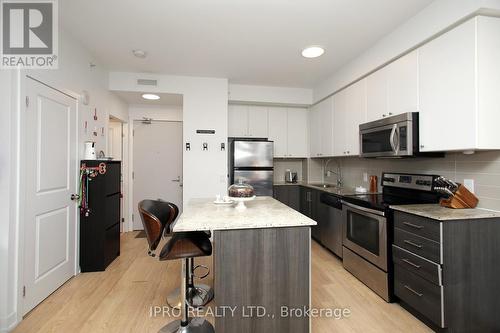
(399, 189)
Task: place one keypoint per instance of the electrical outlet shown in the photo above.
(469, 184)
(365, 176)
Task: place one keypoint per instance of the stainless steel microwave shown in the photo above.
(395, 136)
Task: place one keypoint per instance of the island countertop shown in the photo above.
(263, 212)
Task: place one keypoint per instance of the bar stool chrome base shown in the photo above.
(195, 325)
(197, 297)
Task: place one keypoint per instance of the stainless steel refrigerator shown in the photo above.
(252, 162)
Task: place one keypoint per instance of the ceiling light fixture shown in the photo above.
(151, 97)
(313, 51)
(139, 53)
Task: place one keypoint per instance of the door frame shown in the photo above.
(21, 204)
(130, 213)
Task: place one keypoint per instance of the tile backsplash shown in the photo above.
(482, 167)
(295, 165)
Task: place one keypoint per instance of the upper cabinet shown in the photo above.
(393, 89)
(459, 75)
(321, 128)
(247, 121)
(288, 130)
(349, 111)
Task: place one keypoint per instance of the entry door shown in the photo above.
(50, 214)
(157, 164)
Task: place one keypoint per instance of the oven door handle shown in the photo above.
(391, 139)
(363, 209)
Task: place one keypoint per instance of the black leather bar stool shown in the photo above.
(157, 220)
(186, 246)
(198, 294)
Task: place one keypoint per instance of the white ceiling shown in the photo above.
(135, 98)
(247, 41)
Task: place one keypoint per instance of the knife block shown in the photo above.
(463, 198)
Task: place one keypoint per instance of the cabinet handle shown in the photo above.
(418, 246)
(413, 291)
(384, 115)
(411, 264)
(422, 146)
(390, 113)
(411, 225)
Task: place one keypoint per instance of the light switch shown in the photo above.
(469, 184)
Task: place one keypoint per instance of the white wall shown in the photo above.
(204, 107)
(435, 18)
(240, 93)
(73, 76)
(158, 112)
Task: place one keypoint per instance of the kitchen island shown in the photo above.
(262, 263)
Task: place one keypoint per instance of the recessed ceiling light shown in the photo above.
(151, 97)
(139, 53)
(313, 52)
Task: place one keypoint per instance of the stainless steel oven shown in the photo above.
(395, 136)
(365, 233)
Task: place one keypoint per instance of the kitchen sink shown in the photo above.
(323, 185)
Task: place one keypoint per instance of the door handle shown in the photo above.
(413, 291)
(411, 264)
(391, 139)
(75, 197)
(178, 180)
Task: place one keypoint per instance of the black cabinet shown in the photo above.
(288, 194)
(100, 230)
(446, 272)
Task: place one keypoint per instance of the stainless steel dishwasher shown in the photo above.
(331, 230)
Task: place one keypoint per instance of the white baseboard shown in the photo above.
(8, 323)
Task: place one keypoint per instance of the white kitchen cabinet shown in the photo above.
(339, 123)
(237, 120)
(247, 121)
(278, 131)
(376, 95)
(297, 132)
(393, 89)
(314, 131)
(349, 112)
(321, 129)
(356, 115)
(402, 85)
(257, 122)
(459, 80)
(289, 131)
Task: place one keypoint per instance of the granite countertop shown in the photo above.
(344, 191)
(437, 212)
(263, 212)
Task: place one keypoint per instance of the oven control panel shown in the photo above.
(411, 181)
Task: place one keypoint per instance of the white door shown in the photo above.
(50, 214)
(157, 164)
(278, 130)
(115, 140)
(297, 132)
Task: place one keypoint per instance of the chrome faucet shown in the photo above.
(338, 172)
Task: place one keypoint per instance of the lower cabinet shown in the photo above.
(288, 194)
(446, 272)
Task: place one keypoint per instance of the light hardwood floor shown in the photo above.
(120, 299)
